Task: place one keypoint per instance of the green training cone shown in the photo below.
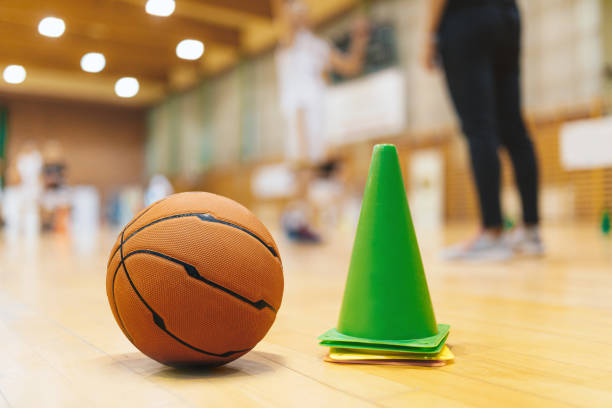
(386, 299)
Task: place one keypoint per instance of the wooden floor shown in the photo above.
(525, 333)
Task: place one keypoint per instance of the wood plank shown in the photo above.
(37, 359)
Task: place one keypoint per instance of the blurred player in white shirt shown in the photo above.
(20, 208)
(303, 60)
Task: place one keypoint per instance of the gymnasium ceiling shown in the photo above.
(135, 43)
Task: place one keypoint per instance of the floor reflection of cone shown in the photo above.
(386, 304)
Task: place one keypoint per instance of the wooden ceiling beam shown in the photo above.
(126, 36)
(62, 84)
(70, 64)
(256, 8)
(35, 63)
(68, 50)
(123, 20)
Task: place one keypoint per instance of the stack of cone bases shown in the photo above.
(386, 316)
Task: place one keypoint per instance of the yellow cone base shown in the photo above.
(348, 356)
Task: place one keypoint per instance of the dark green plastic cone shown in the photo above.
(386, 299)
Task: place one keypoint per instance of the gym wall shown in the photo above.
(102, 145)
(228, 124)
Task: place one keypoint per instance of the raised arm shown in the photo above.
(351, 63)
(284, 27)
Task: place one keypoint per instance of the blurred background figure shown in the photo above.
(55, 202)
(302, 61)
(25, 207)
(479, 44)
(84, 218)
(11, 205)
(159, 187)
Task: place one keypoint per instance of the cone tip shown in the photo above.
(384, 151)
(384, 147)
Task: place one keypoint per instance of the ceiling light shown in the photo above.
(190, 49)
(14, 74)
(162, 8)
(126, 87)
(51, 27)
(93, 62)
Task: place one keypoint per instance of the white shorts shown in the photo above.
(314, 134)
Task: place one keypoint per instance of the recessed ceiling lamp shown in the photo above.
(162, 8)
(93, 62)
(14, 74)
(127, 87)
(51, 27)
(190, 49)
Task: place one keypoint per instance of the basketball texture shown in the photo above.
(195, 279)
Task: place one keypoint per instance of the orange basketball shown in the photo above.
(195, 279)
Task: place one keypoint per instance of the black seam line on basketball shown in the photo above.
(193, 272)
(125, 331)
(132, 222)
(143, 213)
(159, 322)
(204, 217)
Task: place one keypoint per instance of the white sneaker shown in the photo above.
(485, 247)
(527, 241)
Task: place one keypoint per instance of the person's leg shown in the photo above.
(466, 57)
(303, 170)
(512, 131)
(469, 75)
(299, 214)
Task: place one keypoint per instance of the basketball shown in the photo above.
(195, 279)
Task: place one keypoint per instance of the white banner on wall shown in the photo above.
(368, 107)
(586, 144)
(426, 194)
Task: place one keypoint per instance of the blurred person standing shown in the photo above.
(478, 42)
(22, 213)
(55, 200)
(159, 187)
(303, 60)
(11, 203)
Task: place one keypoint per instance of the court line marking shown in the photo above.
(3, 396)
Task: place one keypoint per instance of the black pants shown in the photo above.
(479, 47)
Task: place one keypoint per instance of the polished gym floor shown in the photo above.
(529, 332)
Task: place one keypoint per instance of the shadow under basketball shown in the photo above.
(245, 366)
(242, 367)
